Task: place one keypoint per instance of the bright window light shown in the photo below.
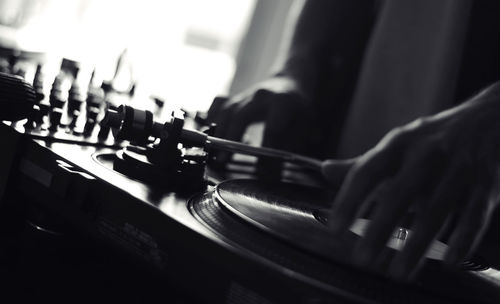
(180, 50)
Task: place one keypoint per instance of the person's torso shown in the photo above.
(480, 66)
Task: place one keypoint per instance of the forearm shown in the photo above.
(320, 30)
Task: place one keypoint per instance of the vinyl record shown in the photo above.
(296, 214)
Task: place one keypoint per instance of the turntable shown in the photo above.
(149, 194)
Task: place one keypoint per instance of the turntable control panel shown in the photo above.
(71, 111)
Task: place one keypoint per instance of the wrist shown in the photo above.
(298, 80)
(474, 125)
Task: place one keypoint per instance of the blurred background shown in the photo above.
(182, 52)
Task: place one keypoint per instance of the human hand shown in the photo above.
(278, 101)
(440, 168)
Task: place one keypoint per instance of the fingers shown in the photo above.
(224, 118)
(286, 128)
(335, 170)
(470, 227)
(233, 123)
(233, 116)
(428, 225)
(215, 107)
(365, 175)
(223, 122)
(391, 207)
(280, 111)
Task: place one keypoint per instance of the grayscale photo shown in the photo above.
(250, 151)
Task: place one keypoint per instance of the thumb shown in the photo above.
(335, 170)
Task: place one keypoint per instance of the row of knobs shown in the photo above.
(57, 100)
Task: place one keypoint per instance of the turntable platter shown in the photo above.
(295, 213)
(283, 225)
